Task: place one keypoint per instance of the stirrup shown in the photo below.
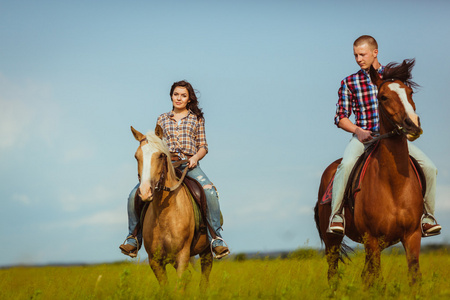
(211, 246)
(137, 242)
(428, 215)
(331, 221)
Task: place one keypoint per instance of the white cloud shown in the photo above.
(442, 199)
(26, 111)
(23, 199)
(112, 187)
(95, 196)
(110, 217)
(80, 152)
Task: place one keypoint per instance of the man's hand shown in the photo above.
(363, 135)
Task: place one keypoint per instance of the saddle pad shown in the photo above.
(353, 186)
(197, 215)
(326, 198)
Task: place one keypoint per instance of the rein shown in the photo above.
(160, 185)
(396, 131)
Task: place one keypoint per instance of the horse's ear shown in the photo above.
(159, 131)
(137, 135)
(375, 77)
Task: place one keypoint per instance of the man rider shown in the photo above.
(358, 94)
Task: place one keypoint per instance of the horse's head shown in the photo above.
(395, 104)
(152, 157)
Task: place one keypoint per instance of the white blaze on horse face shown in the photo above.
(147, 152)
(401, 92)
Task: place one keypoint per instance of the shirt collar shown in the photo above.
(379, 70)
(171, 114)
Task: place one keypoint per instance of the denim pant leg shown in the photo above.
(133, 219)
(212, 199)
(430, 172)
(352, 152)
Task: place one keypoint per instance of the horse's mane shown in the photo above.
(400, 72)
(160, 145)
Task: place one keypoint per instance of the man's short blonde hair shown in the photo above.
(366, 39)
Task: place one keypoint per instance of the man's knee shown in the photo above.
(346, 166)
(430, 170)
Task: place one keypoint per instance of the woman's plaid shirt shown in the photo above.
(185, 137)
(358, 94)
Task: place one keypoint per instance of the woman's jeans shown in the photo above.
(353, 151)
(212, 199)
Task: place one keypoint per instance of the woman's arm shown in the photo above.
(197, 157)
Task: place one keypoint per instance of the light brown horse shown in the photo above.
(389, 206)
(169, 225)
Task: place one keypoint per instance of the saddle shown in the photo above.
(199, 203)
(357, 175)
(198, 195)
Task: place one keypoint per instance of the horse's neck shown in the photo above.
(171, 178)
(393, 152)
(163, 198)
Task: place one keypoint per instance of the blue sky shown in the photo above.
(74, 76)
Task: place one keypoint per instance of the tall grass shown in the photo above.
(301, 276)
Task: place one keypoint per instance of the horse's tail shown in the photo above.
(316, 218)
(343, 252)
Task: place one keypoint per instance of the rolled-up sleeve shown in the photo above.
(344, 104)
(200, 138)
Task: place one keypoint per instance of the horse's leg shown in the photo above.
(332, 241)
(206, 260)
(181, 265)
(159, 268)
(412, 248)
(372, 266)
(333, 254)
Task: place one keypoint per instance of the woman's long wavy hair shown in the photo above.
(193, 104)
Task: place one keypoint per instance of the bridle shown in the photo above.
(160, 184)
(398, 129)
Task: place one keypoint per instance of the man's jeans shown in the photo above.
(212, 199)
(353, 151)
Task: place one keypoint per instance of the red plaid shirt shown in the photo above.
(358, 94)
(185, 137)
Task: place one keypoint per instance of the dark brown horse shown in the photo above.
(389, 206)
(169, 225)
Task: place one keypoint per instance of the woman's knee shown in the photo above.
(211, 196)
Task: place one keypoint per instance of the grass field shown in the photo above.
(300, 276)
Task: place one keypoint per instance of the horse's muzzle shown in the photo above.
(145, 193)
(412, 130)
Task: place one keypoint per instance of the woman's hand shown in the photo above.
(192, 162)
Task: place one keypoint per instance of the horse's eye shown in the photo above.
(383, 98)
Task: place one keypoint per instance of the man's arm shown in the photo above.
(362, 134)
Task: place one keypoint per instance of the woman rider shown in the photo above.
(184, 132)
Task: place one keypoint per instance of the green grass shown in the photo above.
(301, 276)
